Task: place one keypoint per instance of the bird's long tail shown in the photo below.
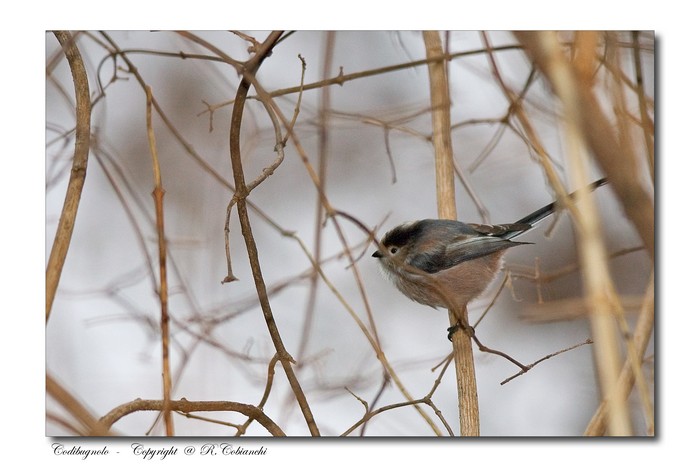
(546, 211)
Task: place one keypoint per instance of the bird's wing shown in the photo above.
(462, 248)
(498, 230)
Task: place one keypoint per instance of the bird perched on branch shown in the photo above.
(440, 262)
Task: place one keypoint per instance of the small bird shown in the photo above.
(443, 263)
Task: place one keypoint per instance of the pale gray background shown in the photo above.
(103, 342)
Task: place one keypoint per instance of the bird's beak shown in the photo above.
(377, 254)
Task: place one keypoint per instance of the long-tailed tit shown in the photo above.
(445, 262)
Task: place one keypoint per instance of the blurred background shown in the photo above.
(367, 136)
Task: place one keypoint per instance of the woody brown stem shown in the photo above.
(444, 176)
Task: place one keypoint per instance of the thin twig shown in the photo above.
(241, 193)
(323, 148)
(382, 409)
(266, 393)
(546, 357)
(386, 380)
(158, 194)
(342, 78)
(506, 278)
(427, 400)
(485, 349)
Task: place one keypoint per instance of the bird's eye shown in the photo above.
(393, 250)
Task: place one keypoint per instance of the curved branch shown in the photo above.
(185, 406)
(241, 194)
(64, 231)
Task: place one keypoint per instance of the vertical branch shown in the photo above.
(642, 334)
(444, 176)
(323, 145)
(241, 194)
(647, 124)
(64, 231)
(568, 82)
(158, 194)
